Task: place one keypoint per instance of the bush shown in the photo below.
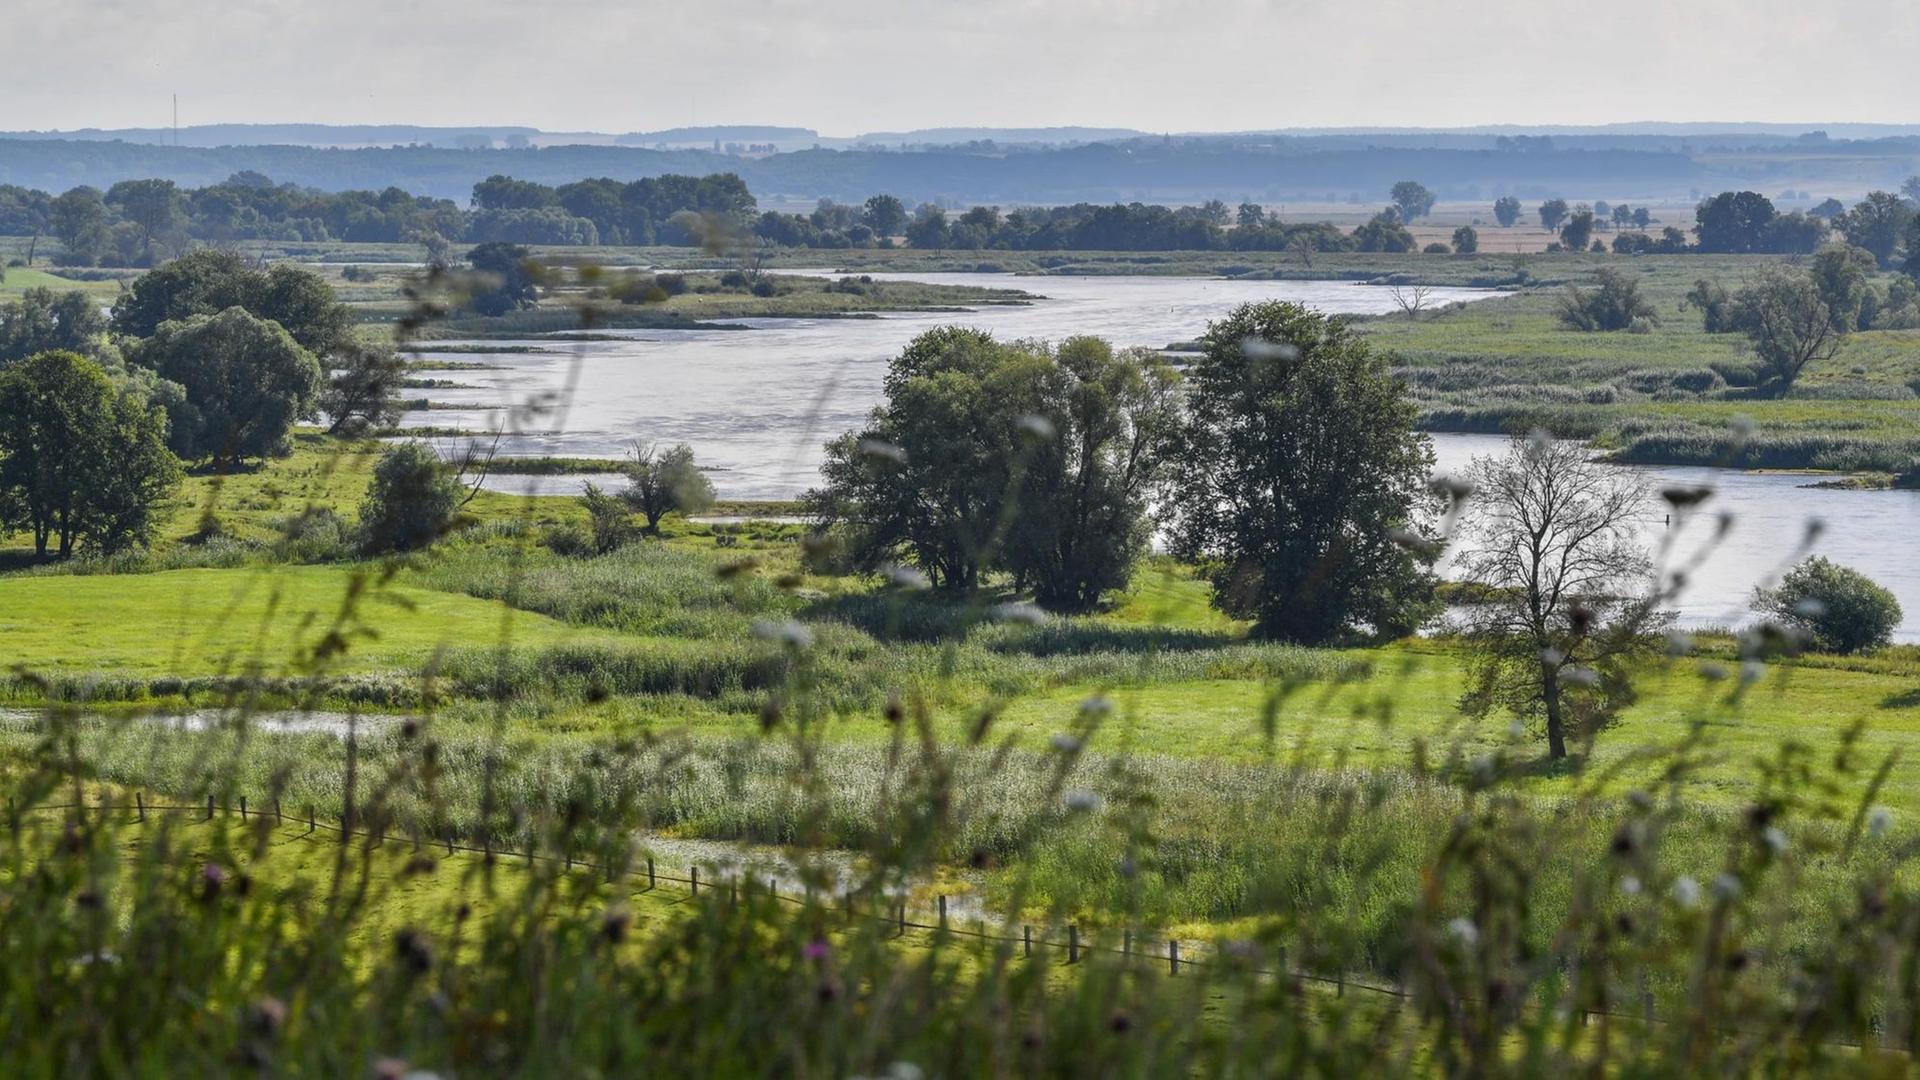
(1436, 249)
(412, 500)
(1615, 305)
(1837, 609)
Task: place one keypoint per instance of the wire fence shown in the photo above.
(1066, 939)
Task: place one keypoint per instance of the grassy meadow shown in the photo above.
(715, 696)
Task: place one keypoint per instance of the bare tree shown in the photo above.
(1411, 300)
(1562, 608)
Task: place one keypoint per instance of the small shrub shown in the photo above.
(1836, 608)
(1615, 305)
(412, 500)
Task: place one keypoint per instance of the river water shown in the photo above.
(757, 404)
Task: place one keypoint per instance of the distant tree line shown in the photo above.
(138, 223)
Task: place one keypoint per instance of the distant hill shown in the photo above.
(1054, 136)
(726, 133)
(1267, 168)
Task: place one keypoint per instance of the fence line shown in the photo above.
(897, 918)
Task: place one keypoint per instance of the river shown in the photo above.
(757, 404)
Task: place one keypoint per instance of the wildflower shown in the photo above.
(788, 633)
(884, 450)
(1017, 612)
(1879, 819)
(1257, 348)
(1686, 892)
(1464, 931)
(817, 950)
(1037, 426)
(1082, 801)
(907, 577)
(1726, 887)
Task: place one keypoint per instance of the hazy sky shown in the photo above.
(844, 67)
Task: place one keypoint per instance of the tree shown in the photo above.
(1552, 213)
(1577, 233)
(884, 214)
(1550, 549)
(79, 218)
(83, 463)
(1878, 223)
(412, 500)
(506, 279)
(1615, 305)
(1834, 608)
(151, 206)
(45, 321)
(1788, 324)
(607, 519)
(665, 482)
(1622, 215)
(1081, 525)
(929, 228)
(362, 391)
(1642, 218)
(1299, 465)
(1843, 274)
(989, 456)
(1412, 199)
(1250, 216)
(245, 379)
(1466, 240)
(1383, 233)
(209, 282)
(1506, 211)
(1734, 222)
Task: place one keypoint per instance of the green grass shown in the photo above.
(19, 279)
(1507, 364)
(207, 621)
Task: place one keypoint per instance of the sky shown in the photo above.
(844, 68)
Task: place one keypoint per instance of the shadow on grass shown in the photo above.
(1905, 699)
(924, 617)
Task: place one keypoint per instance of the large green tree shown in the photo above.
(209, 282)
(83, 462)
(246, 382)
(1300, 478)
(997, 456)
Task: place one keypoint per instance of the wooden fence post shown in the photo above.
(311, 824)
(650, 881)
(243, 808)
(140, 805)
(903, 918)
(1026, 941)
(696, 881)
(943, 911)
(1126, 944)
(1073, 944)
(1173, 956)
(278, 817)
(209, 808)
